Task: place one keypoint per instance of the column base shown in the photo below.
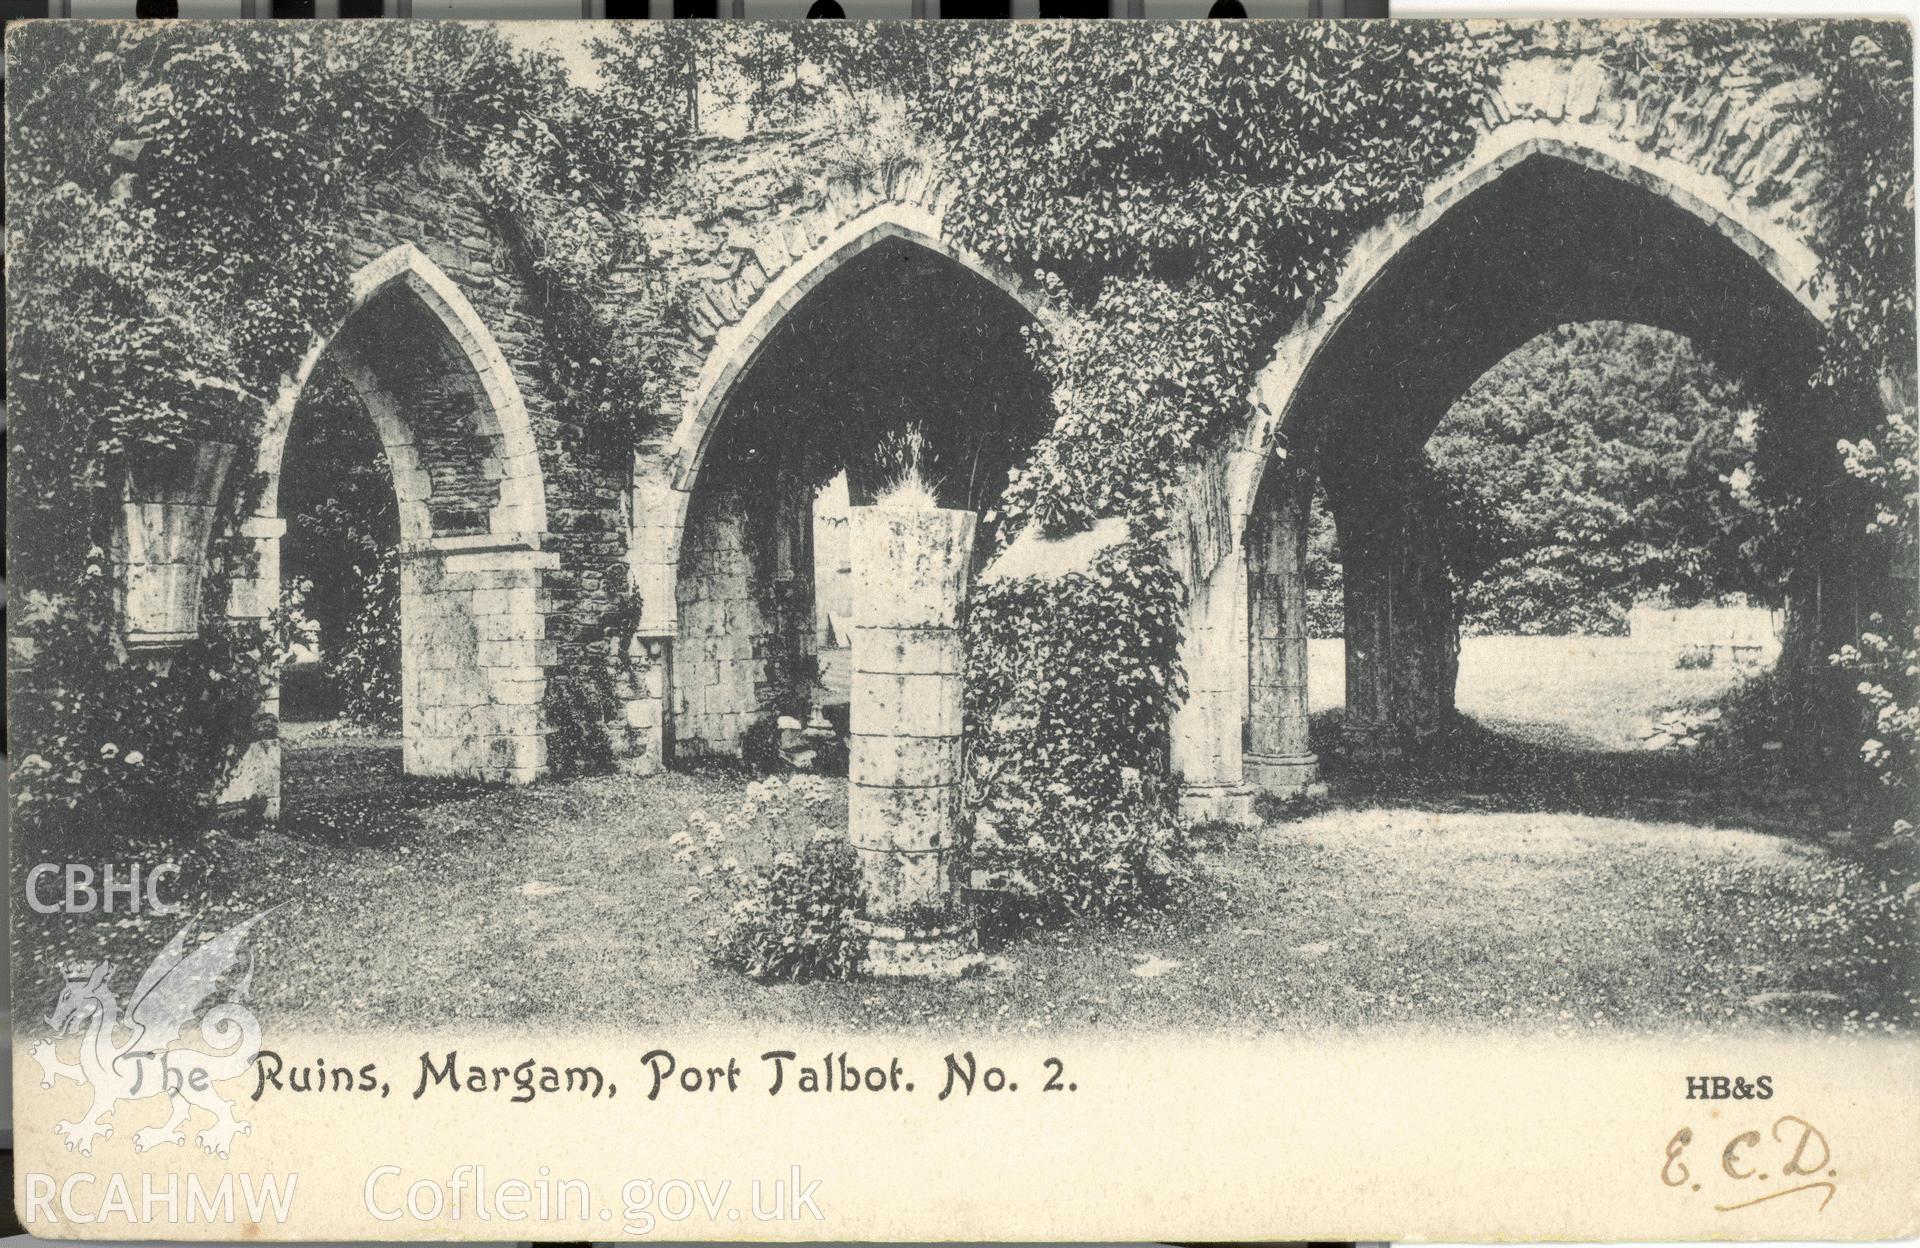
(945, 952)
(1286, 775)
(1218, 803)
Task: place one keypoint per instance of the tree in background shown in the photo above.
(1609, 448)
(1595, 467)
(340, 564)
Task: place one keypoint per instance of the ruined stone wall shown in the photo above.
(719, 653)
(441, 213)
(713, 264)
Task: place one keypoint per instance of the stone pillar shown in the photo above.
(1367, 727)
(653, 560)
(254, 787)
(474, 657)
(1205, 733)
(790, 671)
(1402, 630)
(1279, 759)
(904, 768)
(642, 680)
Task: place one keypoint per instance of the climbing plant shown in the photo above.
(1864, 118)
(170, 265)
(1186, 192)
(562, 167)
(176, 250)
(1180, 196)
(1070, 683)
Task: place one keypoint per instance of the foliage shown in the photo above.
(171, 292)
(562, 174)
(1138, 379)
(1866, 118)
(1606, 449)
(1185, 193)
(1070, 683)
(792, 901)
(1326, 578)
(339, 561)
(1886, 658)
(363, 663)
(1861, 115)
(1599, 465)
(1179, 195)
(760, 746)
(578, 703)
(1078, 860)
(766, 74)
(122, 740)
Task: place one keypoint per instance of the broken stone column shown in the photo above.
(172, 495)
(1279, 759)
(911, 567)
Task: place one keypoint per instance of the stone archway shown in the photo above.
(1550, 240)
(1404, 284)
(472, 512)
(702, 566)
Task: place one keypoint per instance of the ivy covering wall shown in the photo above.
(1178, 195)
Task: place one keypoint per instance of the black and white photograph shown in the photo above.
(1378, 544)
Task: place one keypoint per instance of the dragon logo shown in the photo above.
(140, 1056)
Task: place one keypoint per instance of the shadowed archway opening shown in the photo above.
(899, 353)
(1548, 244)
(1608, 566)
(340, 567)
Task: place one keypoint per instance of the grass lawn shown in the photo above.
(1586, 693)
(1520, 884)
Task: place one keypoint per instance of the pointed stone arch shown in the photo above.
(1717, 202)
(738, 345)
(472, 505)
(1696, 177)
(787, 264)
(499, 413)
(664, 481)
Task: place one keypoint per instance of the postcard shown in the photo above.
(839, 630)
